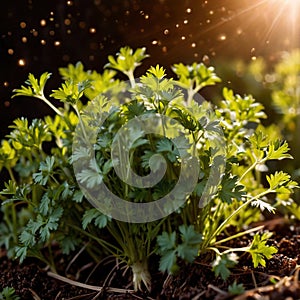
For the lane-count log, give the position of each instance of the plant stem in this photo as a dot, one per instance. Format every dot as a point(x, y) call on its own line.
point(226, 221)
point(11, 174)
point(238, 235)
point(43, 98)
point(251, 168)
point(130, 76)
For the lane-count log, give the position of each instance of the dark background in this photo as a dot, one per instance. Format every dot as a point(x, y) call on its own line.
point(39, 35)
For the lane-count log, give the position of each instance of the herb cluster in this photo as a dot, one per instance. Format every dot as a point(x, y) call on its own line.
point(43, 202)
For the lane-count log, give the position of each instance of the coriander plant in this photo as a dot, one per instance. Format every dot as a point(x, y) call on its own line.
point(139, 168)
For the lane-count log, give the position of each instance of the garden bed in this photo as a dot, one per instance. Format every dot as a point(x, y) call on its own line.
point(278, 280)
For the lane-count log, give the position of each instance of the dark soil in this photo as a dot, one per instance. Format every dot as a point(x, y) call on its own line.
point(278, 280)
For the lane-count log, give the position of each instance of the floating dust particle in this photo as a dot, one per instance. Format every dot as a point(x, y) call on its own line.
point(10, 51)
point(193, 45)
point(21, 62)
point(24, 39)
point(67, 22)
point(206, 59)
point(183, 38)
point(5, 83)
point(92, 30)
point(34, 32)
point(57, 43)
point(23, 25)
point(222, 37)
point(43, 42)
point(188, 10)
point(166, 31)
point(43, 22)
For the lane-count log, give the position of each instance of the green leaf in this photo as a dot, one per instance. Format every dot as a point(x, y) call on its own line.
point(71, 91)
point(92, 176)
point(166, 145)
point(195, 76)
point(8, 293)
point(100, 220)
point(21, 253)
point(166, 241)
point(34, 225)
point(126, 60)
point(230, 190)
point(222, 264)
point(77, 196)
point(189, 236)
point(35, 87)
point(278, 179)
point(167, 261)
point(260, 251)
point(157, 71)
point(236, 289)
point(46, 170)
point(27, 238)
point(68, 244)
point(50, 224)
point(187, 252)
point(278, 151)
point(44, 205)
point(74, 73)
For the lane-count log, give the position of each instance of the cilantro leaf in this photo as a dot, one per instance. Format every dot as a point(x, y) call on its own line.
point(100, 220)
point(260, 251)
point(230, 190)
point(222, 263)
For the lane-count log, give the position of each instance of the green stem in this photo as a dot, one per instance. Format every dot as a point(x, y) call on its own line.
point(251, 168)
point(43, 98)
point(14, 223)
point(108, 246)
point(239, 234)
point(226, 221)
point(80, 122)
point(130, 76)
point(11, 174)
point(51, 259)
